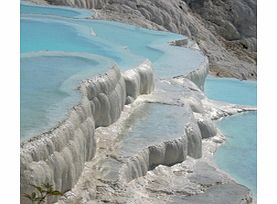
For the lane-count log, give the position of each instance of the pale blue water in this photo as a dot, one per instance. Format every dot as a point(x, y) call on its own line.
point(238, 155)
point(55, 76)
point(127, 45)
point(45, 30)
point(231, 90)
point(41, 36)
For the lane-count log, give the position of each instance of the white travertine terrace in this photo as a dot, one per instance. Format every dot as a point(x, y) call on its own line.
point(130, 151)
point(139, 81)
point(198, 76)
point(168, 152)
point(59, 155)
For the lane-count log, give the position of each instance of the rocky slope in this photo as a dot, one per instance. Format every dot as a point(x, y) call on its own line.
point(224, 30)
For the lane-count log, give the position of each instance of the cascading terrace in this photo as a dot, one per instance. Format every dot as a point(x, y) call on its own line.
point(128, 125)
point(58, 156)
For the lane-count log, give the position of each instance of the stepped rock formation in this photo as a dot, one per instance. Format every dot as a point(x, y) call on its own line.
point(65, 156)
point(160, 170)
point(58, 156)
point(224, 30)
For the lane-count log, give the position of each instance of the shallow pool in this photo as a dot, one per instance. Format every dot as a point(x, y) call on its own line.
point(151, 124)
point(238, 155)
point(56, 77)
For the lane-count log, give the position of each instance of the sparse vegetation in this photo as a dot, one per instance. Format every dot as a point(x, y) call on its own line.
point(41, 193)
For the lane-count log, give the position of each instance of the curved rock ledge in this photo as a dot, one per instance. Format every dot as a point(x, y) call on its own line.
point(167, 153)
point(59, 155)
point(170, 151)
point(197, 126)
point(139, 81)
point(199, 75)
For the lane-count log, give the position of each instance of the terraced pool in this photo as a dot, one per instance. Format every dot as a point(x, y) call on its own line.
point(49, 31)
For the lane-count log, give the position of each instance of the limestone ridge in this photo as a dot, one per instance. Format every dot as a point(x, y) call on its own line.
point(59, 155)
point(224, 30)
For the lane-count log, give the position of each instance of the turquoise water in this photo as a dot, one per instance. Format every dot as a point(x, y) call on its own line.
point(238, 155)
point(46, 94)
point(41, 36)
point(55, 76)
point(127, 45)
point(231, 90)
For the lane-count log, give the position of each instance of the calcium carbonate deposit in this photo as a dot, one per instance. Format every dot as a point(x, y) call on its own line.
point(116, 113)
